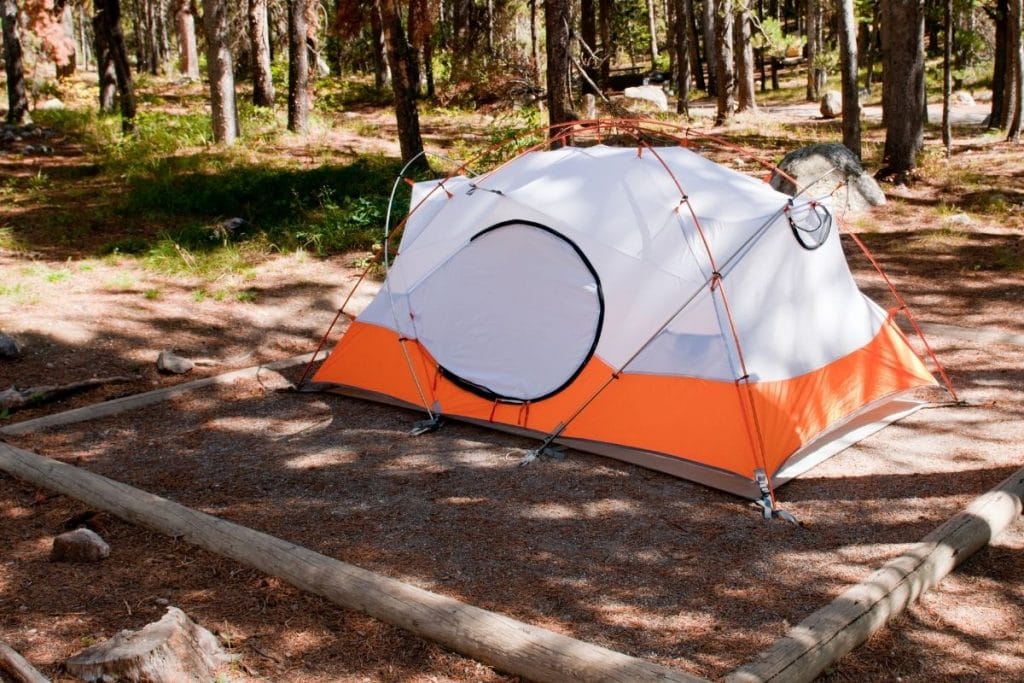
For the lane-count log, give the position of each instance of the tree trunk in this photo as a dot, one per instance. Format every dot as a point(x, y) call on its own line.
point(588, 34)
point(381, 74)
point(1009, 76)
point(709, 28)
point(221, 72)
point(681, 31)
point(17, 98)
point(947, 76)
point(604, 17)
point(696, 65)
point(105, 69)
point(67, 20)
point(725, 73)
point(556, 25)
point(744, 57)
point(999, 66)
point(652, 25)
point(259, 41)
point(406, 114)
point(815, 74)
point(902, 86)
point(187, 40)
point(108, 22)
point(1015, 65)
point(848, 69)
point(298, 68)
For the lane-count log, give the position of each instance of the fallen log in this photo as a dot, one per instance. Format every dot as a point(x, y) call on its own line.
point(14, 398)
point(17, 667)
point(126, 403)
point(508, 645)
point(836, 629)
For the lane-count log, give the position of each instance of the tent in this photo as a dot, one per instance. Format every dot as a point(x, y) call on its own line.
point(641, 302)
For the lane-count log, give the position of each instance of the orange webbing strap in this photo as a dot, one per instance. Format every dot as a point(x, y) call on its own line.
point(905, 308)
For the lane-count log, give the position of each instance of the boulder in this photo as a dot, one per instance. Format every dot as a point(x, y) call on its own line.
point(172, 363)
point(829, 169)
point(961, 98)
point(648, 93)
point(9, 347)
point(172, 649)
point(80, 545)
point(52, 104)
point(832, 104)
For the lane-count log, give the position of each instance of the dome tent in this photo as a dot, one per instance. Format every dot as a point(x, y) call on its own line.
point(643, 303)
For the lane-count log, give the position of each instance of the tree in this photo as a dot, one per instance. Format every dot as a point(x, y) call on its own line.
point(556, 26)
point(107, 23)
point(105, 68)
point(652, 27)
point(605, 9)
point(221, 72)
point(298, 68)
point(1015, 70)
point(902, 87)
point(848, 73)
point(406, 113)
point(259, 42)
point(815, 48)
point(188, 51)
point(710, 31)
point(744, 57)
point(17, 99)
point(681, 31)
point(725, 75)
point(1000, 16)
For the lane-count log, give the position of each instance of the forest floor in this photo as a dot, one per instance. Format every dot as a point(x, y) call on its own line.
point(610, 553)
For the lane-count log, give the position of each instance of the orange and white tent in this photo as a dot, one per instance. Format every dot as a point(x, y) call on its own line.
point(642, 303)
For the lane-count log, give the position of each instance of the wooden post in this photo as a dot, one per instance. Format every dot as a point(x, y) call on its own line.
point(836, 629)
point(508, 645)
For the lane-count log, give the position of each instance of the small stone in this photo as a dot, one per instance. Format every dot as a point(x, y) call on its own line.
point(832, 104)
point(52, 104)
point(169, 362)
point(9, 347)
point(962, 98)
point(960, 219)
point(80, 545)
point(163, 602)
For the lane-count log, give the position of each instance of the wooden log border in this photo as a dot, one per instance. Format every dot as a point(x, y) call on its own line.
point(126, 403)
point(839, 627)
point(500, 641)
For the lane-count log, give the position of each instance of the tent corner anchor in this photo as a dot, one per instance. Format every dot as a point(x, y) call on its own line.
point(769, 508)
point(433, 423)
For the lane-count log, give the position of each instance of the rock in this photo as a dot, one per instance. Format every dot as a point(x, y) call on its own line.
point(832, 104)
point(169, 362)
point(52, 104)
point(960, 219)
point(9, 347)
point(829, 169)
point(172, 649)
point(648, 93)
point(589, 107)
point(961, 98)
point(80, 545)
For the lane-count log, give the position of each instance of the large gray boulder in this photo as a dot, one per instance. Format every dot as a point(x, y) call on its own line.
point(831, 104)
point(828, 170)
point(648, 93)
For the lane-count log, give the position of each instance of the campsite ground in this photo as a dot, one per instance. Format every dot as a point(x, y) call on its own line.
point(606, 552)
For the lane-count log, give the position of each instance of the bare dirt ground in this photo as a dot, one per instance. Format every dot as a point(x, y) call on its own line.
point(603, 551)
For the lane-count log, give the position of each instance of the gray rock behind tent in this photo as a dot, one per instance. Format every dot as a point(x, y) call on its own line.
point(829, 169)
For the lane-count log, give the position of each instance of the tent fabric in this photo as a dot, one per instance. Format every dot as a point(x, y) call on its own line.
point(646, 303)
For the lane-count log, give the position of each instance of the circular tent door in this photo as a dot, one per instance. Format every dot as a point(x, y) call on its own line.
point(514, 315)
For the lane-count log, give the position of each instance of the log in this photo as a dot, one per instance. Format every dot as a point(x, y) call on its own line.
point(14, 398)
point(500, 641)
point(15, 666)
point(836, 629)
point(126, 403)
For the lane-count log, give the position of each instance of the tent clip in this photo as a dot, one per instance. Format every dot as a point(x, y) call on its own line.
point(544, 451)
point(431, 424)
point(767, 507)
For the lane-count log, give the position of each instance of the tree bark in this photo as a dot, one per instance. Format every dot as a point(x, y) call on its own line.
point(709, 27)
point(999, 66)
point(406, 113)
point(1015, 66)
point(848, 69)
point(681, 31)
point(17, 97)
point(724, 64)
point(902, 86)
point(189, 56)
point(604, 18)
point(696, 65)
point(744, 57)
point(381, 73)
point(221, 72)
point(588, 33)
point(259, 41)
point(298, 68)
point(947, 76)
point(652, 26)
point(556, 25)
point(108, 21)
point(815, 73)
point(105, 69)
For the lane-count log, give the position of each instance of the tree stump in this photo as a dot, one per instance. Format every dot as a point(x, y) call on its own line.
point(166, 651)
